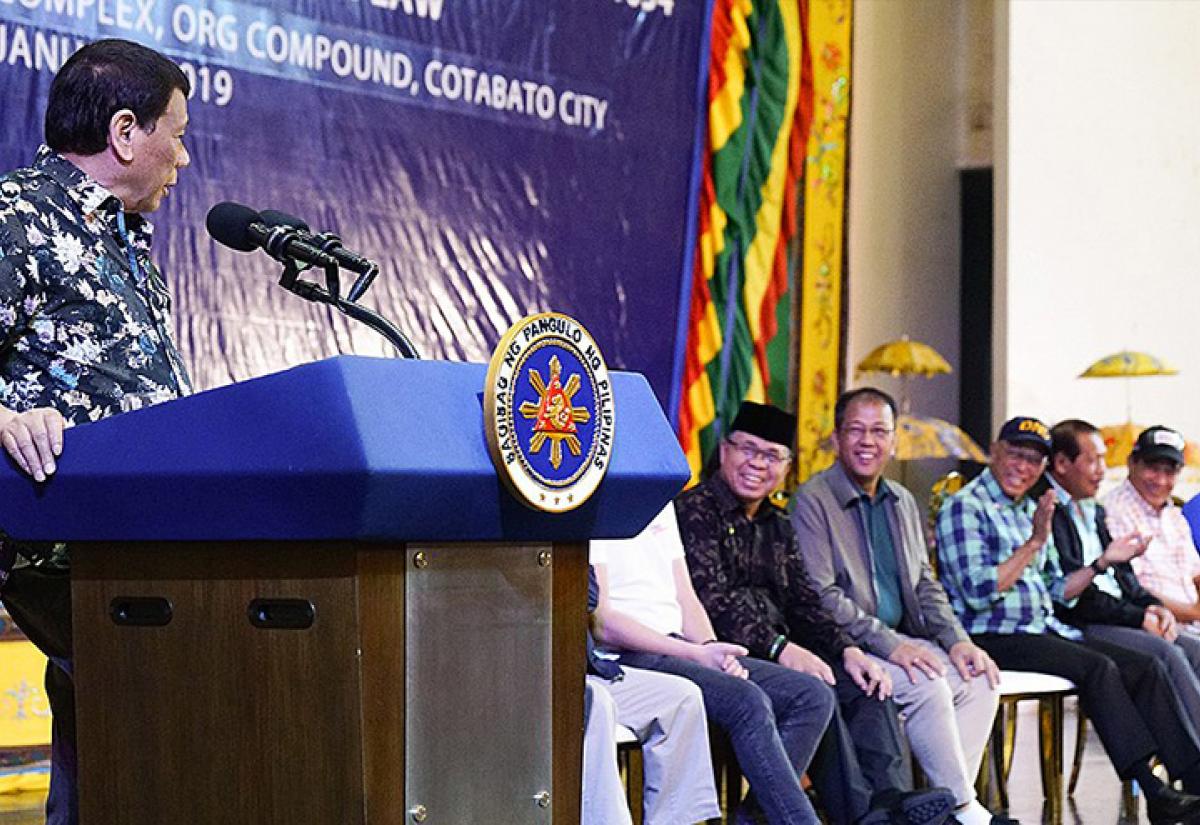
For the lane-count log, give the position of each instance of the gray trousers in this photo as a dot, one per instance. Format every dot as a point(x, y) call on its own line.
point(948, 721)
point(1180, 658)
point(666, 713)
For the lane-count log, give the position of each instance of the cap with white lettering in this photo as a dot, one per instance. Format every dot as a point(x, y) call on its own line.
point(1158, 442)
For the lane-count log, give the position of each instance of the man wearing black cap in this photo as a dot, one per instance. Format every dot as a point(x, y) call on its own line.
point(1142, 506)
point(749, 575)
point(1001, 570)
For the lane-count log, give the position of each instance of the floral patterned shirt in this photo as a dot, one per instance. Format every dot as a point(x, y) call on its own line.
point(85, 317)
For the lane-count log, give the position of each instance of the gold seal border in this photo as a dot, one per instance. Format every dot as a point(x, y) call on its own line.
point(489, 412)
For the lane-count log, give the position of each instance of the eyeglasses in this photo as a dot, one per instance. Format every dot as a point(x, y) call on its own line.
point(1031, 457)
point(749, 452)
point(857, 432)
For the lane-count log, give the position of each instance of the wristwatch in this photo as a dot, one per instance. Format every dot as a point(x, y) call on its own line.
point(1096, 568)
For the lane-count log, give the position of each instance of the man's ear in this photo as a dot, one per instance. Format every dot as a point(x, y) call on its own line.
point(1059, 464)
point(120, 134)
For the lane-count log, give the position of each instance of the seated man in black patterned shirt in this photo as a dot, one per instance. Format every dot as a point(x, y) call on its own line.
point(85, 318)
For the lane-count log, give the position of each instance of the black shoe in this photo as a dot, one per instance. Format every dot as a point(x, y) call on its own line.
point(878, 815)
point(1001, 819)
point(1169, 806)
point(929, 806)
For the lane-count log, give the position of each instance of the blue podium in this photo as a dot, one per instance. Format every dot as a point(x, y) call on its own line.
point(308, 598)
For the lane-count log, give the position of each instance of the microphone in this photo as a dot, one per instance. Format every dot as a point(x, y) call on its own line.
point(327, 242)
point(240, 227)
point(331, 244)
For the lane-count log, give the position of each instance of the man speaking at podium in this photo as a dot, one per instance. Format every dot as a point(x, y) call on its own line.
point(85, 317)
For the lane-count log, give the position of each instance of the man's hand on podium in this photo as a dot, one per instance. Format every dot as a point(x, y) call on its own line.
point(33, 438)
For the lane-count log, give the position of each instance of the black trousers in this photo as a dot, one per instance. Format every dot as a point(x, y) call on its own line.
point(1126, 695)
point(40, 605)
point(1148, 682)
point(861, 753)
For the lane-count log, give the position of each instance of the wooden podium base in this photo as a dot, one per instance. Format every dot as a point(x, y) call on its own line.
point(329, 683)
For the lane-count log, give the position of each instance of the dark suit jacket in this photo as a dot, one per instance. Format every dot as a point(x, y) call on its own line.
point(1094, 605)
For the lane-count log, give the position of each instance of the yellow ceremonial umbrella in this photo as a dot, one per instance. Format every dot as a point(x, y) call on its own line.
point(904, 357)
point(918, 438)
point(1128, 364)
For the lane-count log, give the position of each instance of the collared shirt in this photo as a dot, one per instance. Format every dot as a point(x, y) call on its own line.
point(837, 556)
point(85, 318)
point(873, 512)
point(979, 528)
point(749, 574)
point(1083, 516)
point(1170, 563)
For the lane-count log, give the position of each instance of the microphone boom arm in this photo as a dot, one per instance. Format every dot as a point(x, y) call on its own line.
point(309, 291)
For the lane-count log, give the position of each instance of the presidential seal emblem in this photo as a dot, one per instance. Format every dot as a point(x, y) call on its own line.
point(548, 409)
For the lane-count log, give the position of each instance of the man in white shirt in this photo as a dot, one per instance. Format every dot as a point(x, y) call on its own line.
point(666, 714)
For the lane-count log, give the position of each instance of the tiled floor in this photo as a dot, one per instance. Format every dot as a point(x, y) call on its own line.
point(1097, 800)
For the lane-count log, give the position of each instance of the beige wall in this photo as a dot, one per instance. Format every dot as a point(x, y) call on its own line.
point(910, 127)
point(1101, 246)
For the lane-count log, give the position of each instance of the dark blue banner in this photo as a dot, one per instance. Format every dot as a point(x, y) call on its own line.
point(497, 157)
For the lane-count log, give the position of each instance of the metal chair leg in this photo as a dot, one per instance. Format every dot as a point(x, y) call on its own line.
point(733, 783)
point(1009, 739)
point(1080, 742)
point(629, 759)
point(1001, 747)
point(727, 774)
point(1129, 801)
point(1050, 730)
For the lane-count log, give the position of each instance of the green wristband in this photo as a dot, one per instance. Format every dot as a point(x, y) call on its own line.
point(777, 647)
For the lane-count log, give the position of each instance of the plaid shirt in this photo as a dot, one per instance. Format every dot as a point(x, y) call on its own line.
point(979, 528)
point(1170, 563)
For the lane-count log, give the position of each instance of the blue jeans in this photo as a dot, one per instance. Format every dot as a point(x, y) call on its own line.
point(774, 721)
